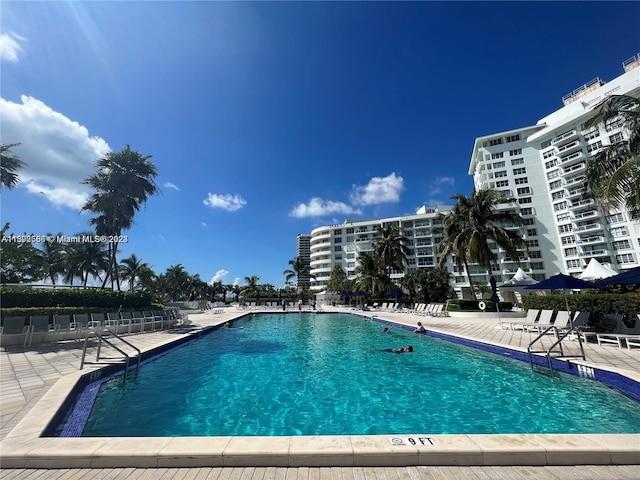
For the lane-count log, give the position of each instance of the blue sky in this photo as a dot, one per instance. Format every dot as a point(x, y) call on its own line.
point(267, 119)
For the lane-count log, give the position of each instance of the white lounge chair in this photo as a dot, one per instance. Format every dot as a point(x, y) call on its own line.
point(561, 321)
point(14, 326)
point(530, 319)
point(42, 328)
point(544, 321)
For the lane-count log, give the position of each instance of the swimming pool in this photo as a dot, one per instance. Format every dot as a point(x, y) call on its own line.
point(308, 374)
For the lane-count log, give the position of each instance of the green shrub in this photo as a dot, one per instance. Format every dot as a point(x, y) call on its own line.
point(85, 298)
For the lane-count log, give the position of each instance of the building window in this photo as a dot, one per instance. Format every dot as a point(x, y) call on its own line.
point(555, 185)
point(565, 228)
point(557, 195)
point(500, 174)
point(535, 254)
point(616, 137)
point(573, 264)
point(519, 171)
point(545, 144)
point(517, 151)
point(622, 245)
point(495, 141)
point(548, 154)
point(498, 165)
point(594, 146)
point(536, 266)
point(517, 161)
point(350, 230)
point(513, 138)
point(526, 211)
point(502, 183)
point(568, 240)
point(497, 155)
point(531, 243)
point(337, 240)
point(559, 206)
point(619, 232)
point(591, 135)
point(522, 180)
point(613, 124)
point(529, 221)
point(337, 248)
point(523, 190)
point(570, 252)
point(615, 218)
point(532, 232)
point(625, 258)
point(564, 217)
point(524, 200)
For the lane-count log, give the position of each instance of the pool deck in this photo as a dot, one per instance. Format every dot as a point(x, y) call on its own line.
point(35, 380)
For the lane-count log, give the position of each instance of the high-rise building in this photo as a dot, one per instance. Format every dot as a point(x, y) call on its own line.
point(541, 168)
point(341, 244)
point(303, 251)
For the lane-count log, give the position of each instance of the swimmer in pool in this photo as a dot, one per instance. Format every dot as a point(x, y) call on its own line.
point(406, 349)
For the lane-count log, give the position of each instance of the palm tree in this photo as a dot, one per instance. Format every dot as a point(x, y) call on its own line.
point(473, 223)
point(613, 174)
point(390, 247)
point(299, 270)
point(176, 282)
point(53, 256)
point(9, 164)
point(130, 269)
point(147, 278)
point(252, 286)
point(371, 277)
point(122, 184)
point(85, 259)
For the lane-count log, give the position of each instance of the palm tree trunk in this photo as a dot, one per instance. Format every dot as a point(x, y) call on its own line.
point(473, 291)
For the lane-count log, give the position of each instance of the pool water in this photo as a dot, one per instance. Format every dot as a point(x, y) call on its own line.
point(327, 374)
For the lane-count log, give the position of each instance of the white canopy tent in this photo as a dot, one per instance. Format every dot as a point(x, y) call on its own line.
point(513, 290)
point(596, 271)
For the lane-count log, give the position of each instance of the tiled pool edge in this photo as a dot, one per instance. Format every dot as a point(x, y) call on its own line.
point(24, 447)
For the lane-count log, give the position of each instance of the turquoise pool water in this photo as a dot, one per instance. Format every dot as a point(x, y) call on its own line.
point(326, 374)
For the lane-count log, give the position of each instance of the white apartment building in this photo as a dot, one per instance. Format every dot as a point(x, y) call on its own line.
point(542, 168)
point(341, 244)
point(303, 251)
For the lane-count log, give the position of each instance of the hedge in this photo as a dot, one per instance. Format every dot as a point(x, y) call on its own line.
point(95, 298)
point(625, 304)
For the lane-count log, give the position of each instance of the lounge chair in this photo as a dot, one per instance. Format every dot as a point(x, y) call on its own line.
point(14, 326)
point(40, 325)
point(64, 327)
point(544, 321)
point(561, 321)
point(614, 336)
point(530, 319)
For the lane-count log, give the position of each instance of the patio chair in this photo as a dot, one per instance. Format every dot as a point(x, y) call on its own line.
point(14, 326)
point(137, 322)
point(64, 327)
point(530, 319)
point(544, 321)
point(561, 321)
point(112, 321)
point(40, 325)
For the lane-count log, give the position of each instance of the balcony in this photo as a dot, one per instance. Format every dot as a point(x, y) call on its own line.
point(575, 168)
point(580, 216)
point(574, 180)
point(573, 193)
point(564, 137)
point(581, 203)
point(594, 239)
point(571, 157)
point(596, 252)
point(589, 227)
point(569, 147)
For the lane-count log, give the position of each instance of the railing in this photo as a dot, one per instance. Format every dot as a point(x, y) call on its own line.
point(101, 333)
point(594, 253)
point(579, 216)
point(573, 156)
point(569, 146)
point(564, 136)
point(571, 181)
point(582, 241)
point(591, 226)
point(560, 336)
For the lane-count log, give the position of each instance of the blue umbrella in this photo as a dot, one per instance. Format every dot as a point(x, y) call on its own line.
point(630, 277)
point(395, 293)
point(564, 283)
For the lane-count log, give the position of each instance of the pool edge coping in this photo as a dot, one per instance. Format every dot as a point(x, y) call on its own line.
point(24, 447)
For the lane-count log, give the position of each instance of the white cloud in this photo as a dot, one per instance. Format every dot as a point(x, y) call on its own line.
point(170, 185)
point(9, 46)
point(378, 190)
point(318, 207)
point(58, 152)
point(219, 276)
point(230, 203)
point(203, 224)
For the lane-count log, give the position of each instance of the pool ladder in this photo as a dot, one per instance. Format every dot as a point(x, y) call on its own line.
point(101, 334)
point(548, 353)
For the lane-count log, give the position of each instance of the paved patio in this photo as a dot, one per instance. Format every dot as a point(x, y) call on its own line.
point(27, 374)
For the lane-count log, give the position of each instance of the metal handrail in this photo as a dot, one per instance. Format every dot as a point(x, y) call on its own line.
point(560, 336)
point(101, 338)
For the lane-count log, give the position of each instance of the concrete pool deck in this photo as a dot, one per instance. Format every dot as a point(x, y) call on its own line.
point(36, 380)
